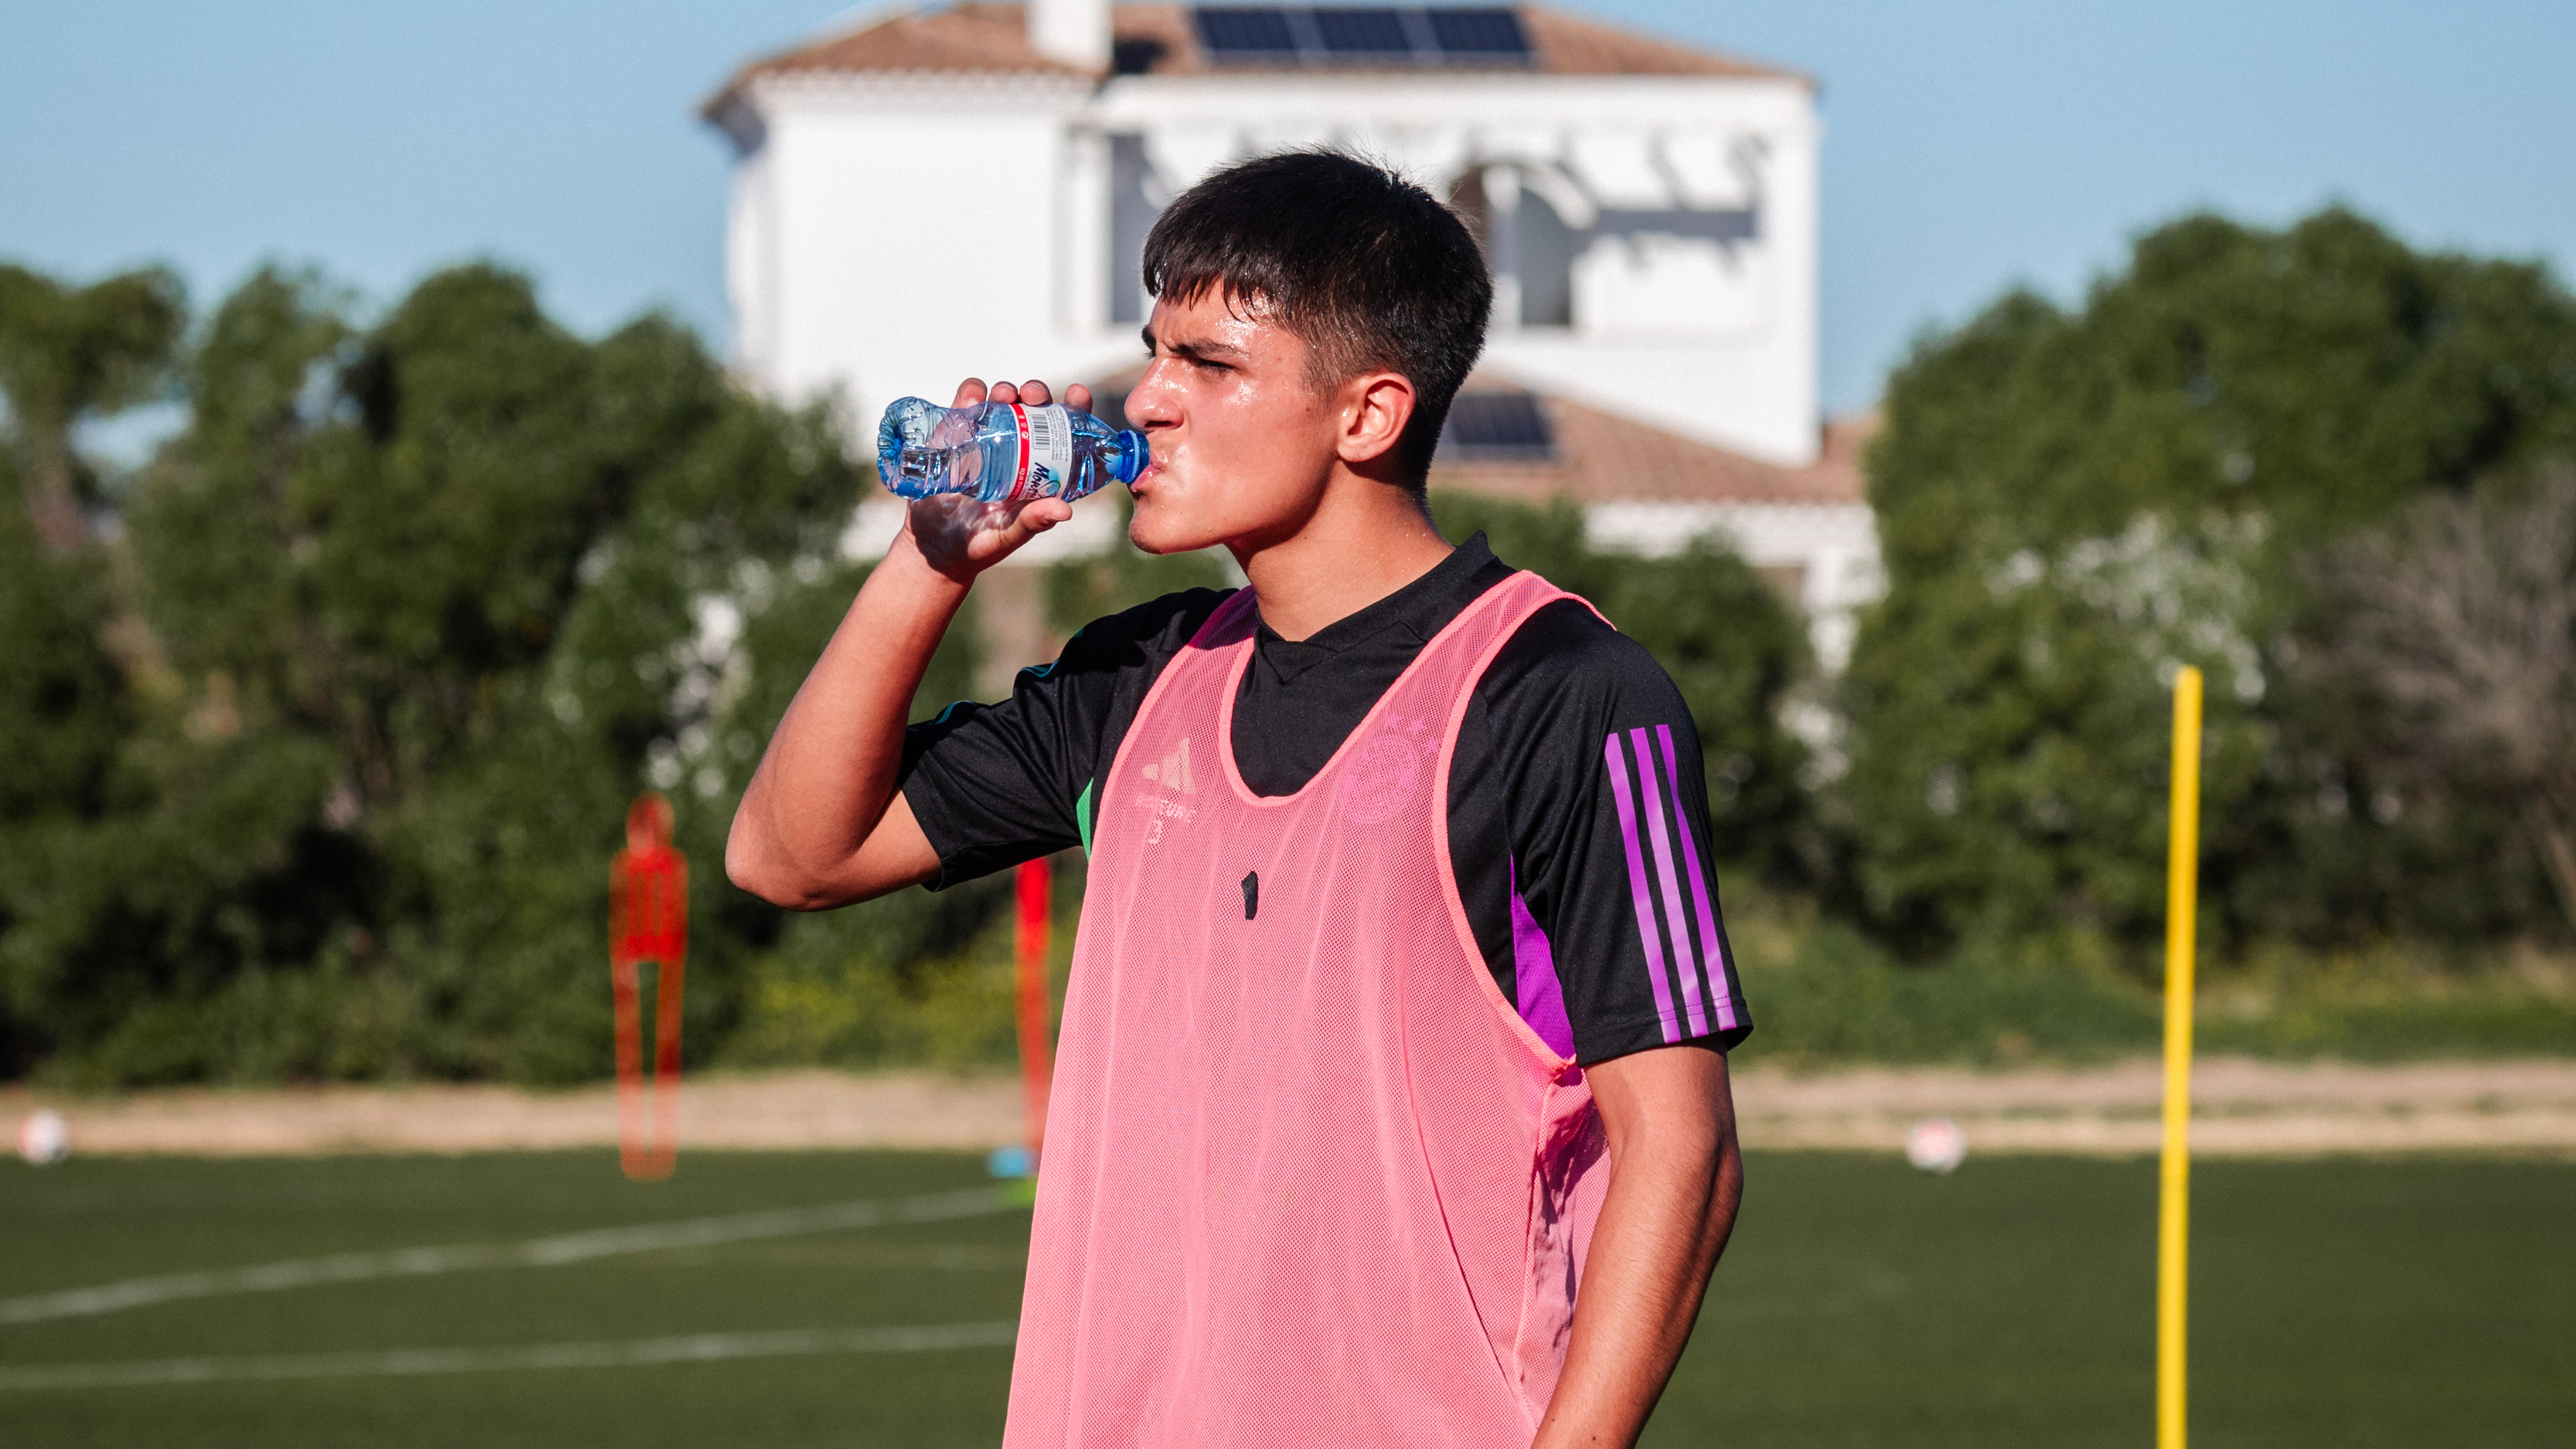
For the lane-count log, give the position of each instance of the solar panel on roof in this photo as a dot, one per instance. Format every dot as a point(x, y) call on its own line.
point(1234, 33)
point(1496, 427)
point(1324, 35)
point(1349, 34)
point(1479, 33)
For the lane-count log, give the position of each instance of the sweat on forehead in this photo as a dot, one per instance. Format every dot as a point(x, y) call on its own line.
point(1209, 334)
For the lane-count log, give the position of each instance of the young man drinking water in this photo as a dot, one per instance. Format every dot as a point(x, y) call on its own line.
point(1390, 1105)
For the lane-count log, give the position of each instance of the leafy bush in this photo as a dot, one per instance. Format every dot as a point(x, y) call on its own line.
point(428, 602)
point(2071, 503)
point(1734, 647)
point(912, 979)
point(1823, 992)
point(1826, 994)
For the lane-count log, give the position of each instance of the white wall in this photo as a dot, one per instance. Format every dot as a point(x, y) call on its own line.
point(917, 232)
point(751, 266)
point(894, 234)
point(1716, 341)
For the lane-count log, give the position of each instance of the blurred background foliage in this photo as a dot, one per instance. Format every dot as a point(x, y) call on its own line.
point(2073, 502)
point(1735, 647)
point(320, 723)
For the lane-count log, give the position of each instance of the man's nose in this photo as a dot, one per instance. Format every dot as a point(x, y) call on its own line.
point(1150, 406)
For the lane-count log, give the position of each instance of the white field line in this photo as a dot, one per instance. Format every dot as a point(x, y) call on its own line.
point(533, 1253)
point(693, 1348)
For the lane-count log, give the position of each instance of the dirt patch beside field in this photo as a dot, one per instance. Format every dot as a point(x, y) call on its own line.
point(2242, 1108)
point(785, 1110)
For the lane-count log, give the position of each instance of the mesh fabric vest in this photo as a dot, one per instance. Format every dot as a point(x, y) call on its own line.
point(1309, 1178)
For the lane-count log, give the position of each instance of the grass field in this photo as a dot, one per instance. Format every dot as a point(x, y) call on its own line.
point(2338, 1303)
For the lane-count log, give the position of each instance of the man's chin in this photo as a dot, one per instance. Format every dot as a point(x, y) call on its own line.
point(1155, 535)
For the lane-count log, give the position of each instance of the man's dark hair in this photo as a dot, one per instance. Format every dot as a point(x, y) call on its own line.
point(1369, 270)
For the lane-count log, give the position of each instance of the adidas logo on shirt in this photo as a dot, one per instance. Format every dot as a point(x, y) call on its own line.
point(1173, 771)
point(1173, 774)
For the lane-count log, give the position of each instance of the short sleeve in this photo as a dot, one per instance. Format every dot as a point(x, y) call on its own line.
point(1580, 833)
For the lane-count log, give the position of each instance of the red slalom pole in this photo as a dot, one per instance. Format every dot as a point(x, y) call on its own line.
point(648, 920)
point(1037, 890)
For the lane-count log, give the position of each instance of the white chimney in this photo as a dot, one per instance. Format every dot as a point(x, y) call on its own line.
point(1075, 32)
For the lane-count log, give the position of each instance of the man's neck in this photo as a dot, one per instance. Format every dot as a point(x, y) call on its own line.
point(1364, 541)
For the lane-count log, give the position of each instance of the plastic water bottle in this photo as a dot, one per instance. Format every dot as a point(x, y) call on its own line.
point(1003, 452)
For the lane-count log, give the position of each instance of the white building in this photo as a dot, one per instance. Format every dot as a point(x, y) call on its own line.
point(961, 191)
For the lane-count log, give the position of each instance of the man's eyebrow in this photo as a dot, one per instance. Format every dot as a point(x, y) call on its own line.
point(1200, 350)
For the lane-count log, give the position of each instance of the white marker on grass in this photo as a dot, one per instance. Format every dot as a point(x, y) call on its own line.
point(1936, 1144)
point(44, 1138)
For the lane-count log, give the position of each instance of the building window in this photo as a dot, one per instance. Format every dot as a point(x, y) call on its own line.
point(1544, 253)
point(1496, 427)
point(1135, 199)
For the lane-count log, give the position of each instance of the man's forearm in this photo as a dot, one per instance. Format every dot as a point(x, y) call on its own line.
point(823, 786)
point(1675, 1179)
point(814, 828)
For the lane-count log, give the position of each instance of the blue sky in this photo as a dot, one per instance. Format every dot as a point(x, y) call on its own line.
point(1969, 146)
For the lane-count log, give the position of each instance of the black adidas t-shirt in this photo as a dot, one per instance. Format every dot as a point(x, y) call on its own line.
point(1578, 820)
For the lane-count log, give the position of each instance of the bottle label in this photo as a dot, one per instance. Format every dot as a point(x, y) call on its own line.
point(1046, 451)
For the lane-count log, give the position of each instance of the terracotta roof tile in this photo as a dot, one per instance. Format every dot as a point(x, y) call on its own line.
point(991, 37)
point(1572, 45)
point(1155, 40)
point(1602, 458)
point(969, 37)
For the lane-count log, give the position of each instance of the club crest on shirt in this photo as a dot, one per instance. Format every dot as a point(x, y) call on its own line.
point(1172, 779)
point(1385, 773)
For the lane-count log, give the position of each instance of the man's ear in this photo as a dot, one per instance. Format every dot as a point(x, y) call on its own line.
point(1375, 406)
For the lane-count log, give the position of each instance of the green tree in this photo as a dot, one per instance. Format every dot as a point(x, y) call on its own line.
point(2073, 502)
point(71, 354)
point(1736, 650)
point(437, 597)
point(68, 355)
point(64, 713)
point(2459, 618)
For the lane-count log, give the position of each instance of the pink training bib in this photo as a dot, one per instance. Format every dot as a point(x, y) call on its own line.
point(1309, 1179)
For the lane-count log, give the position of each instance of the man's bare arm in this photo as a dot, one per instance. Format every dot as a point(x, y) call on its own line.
point(822, 823)
point(1675, 1179)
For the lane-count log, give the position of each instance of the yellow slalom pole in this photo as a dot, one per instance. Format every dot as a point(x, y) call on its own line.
point(2182, 900)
